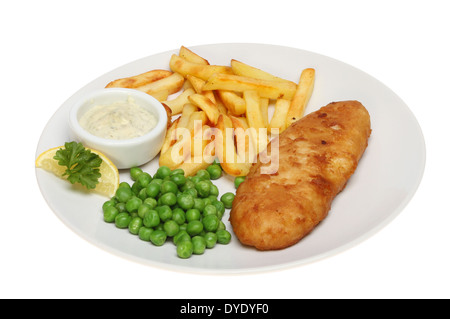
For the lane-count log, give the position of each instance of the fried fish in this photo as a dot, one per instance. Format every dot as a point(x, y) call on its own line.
point(317, 156)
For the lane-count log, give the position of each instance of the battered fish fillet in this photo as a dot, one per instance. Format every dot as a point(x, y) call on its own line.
point(317, 155)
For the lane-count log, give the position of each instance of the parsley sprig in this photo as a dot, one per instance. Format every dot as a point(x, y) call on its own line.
point(83, 166)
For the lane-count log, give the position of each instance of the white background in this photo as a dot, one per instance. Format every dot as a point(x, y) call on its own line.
point(50, 49)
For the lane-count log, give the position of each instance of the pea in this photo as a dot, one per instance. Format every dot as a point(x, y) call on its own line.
point(178, 179)
point(136, 188)
point(150, 201)
point(203, 174)
point(110, 213)
point(142, 194)
point(221, 226)
point(194, 227)
point(158, 237)
point(122, 220)
point(144, 179)
point(227, 199)
point(181, 236)
point(207, 201)
point(153, 189)
point(124, 184)
point(123, 194)
point(144, 233)
point(143, 209)
point(210, 223)
point(203, 188)
point(210, 239)
point(122, 207)
point(188, 185)
point(151, 218)
point(169, 199)
point(162, 172)
point(133, 204)
point(134, 225)
point(169, 187)
point(210, 210)
point(220, 207)
point(185, 249)
point(109, 203)
point(223, 236)
point(165, 212)
point(135, 172)
point(178, 171)
point(178, 216)
point(214, 191)
point(215, 171)
point(158, 181)
point(199, 204)
point(186, 201)
point(199, 245)
point(238, 180)
point(193, 214)
point(195, 179)
point(183, 226)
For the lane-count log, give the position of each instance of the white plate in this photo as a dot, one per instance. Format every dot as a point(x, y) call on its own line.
point(385, 180)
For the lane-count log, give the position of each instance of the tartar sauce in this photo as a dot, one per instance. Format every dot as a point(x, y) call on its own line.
point(118, 121)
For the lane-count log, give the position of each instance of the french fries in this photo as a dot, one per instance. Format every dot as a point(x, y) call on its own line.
point(265, 88)
point(223, 111)
point(302, 95)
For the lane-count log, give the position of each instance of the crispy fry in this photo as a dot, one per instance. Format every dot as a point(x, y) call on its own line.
point(190, 56)
point(161, 95)
point(172, 84)
point(196, 83)
point(202, 71)
point(233, 102)
point(139, 80)
point(279, 117)
point(265, 88)
point(176, 104)
point(170, 137)
point(264, 105)
point(242, 69)
point(302, 96)
point(206, 105)
point(225, 149)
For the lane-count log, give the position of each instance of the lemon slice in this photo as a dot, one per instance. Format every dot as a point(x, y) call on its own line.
point(108, 182)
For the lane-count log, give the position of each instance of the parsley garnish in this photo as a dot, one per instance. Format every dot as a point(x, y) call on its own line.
point(82, 165)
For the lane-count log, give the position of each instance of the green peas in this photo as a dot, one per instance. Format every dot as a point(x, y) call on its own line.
point(158, 237)
point(210, 210)
point(178, 179)
point(135, 172)
point(133, 204)
point(185, 249)
point(227, 199)
point(169, 187)
point(210, 223)
point(153, 189)
point(223, 236)
point(123, 194)
point(171, 205)
point(193, 214)
point(178, 216)
point(151, 218)
point(199, 245)
point(110, 213)
point(238, 180)
point(169, 199)
point(215, 171)
point(181, 236)
point(210, 239)
point(134, 225)
point(163, 172)
point(165, 212)
point(194, 227)
point(203, 174)
point(171, 228)
point(203, 188)
point(144, 233)
point(185, 201)
point(144, 179)
point(122, 220)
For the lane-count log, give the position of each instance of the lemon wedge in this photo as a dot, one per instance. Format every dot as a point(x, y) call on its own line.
point(108, 182)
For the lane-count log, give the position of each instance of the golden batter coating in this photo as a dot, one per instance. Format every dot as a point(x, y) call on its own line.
point(317, 155)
